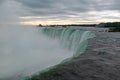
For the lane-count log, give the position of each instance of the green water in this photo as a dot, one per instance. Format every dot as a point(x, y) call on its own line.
point(72, 39)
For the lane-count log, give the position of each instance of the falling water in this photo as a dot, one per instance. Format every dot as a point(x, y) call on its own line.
point(26, 50)
point(72, 39)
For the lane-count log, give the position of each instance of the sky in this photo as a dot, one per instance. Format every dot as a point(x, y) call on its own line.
point(46, 12)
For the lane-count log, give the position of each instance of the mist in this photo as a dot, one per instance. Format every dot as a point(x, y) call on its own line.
point(25, 50)
point(10, 11)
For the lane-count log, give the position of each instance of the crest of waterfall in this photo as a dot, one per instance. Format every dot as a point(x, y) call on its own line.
point(72, 39)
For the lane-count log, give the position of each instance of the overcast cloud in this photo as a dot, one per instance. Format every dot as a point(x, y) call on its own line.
point(69, 11)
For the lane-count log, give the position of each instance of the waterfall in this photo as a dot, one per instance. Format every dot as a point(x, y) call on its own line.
point(26, 50)
point(71, 39)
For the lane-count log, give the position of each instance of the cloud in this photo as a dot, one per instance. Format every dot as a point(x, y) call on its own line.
point(71, 5)
point(46, 10)
point(1, 1)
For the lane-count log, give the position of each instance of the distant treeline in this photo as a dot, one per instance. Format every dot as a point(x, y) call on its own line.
point(67, 25)
point(85, 25)
point(112, 24)
point(109, 24)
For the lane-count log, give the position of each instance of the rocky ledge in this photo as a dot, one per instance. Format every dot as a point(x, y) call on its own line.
point(101, 61)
